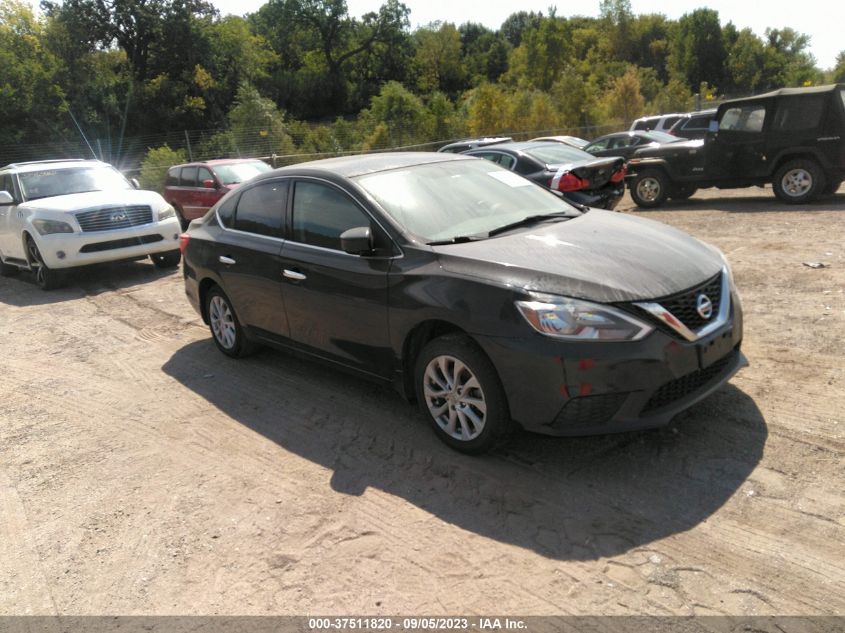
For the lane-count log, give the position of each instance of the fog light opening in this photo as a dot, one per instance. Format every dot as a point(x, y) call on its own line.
point(60, 254)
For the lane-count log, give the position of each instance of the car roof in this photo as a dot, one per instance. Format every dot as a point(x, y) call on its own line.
point(361, 164)
point(789, 92)
point(520, 146)
point(39, 165)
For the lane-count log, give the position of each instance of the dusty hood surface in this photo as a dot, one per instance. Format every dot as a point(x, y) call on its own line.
point(96, 200)
point(601, 256)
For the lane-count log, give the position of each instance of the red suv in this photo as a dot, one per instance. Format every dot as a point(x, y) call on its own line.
point(193, 188)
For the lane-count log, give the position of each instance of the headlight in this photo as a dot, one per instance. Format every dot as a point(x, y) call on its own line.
point(577, 320)
point(47, 227)
point(166, 212)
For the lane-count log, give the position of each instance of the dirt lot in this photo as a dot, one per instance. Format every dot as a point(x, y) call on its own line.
point(141, 472)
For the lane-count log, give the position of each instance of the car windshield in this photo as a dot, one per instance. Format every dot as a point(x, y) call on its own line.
point(236, 173)
point(443, 201)
point(557, 153)
point(67, 180)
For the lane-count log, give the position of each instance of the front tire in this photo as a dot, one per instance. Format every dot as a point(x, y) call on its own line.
point(799, 181)
point(225, 328)
point(650, 188)
point(46, 277)
point(170, 259)
point(460, 394)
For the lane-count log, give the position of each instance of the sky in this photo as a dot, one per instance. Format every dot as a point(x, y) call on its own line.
point(822, 20)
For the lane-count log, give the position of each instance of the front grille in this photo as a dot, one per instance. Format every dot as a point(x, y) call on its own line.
point(114, 218)
point(588, 411)
point(685, 385)
point(683, 305)
point(124, 243)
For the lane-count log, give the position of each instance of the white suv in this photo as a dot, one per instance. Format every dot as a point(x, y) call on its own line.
point(56, 215)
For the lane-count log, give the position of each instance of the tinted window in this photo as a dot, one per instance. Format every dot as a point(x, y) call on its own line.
point(226, 211)
point(598, 145)
point(189, 177)
point(642, 125)
point(748, 118)
point(321, 213)
point(172, 177)
point(670, 121)
point(204, 175)
point(261, 209)
point(801, 113)
point(842, 96)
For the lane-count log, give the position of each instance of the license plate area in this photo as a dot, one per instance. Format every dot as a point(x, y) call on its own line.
point(715, 348)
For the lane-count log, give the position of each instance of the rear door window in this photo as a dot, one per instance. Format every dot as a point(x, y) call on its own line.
point(189, 177)
point(172, 177)
point(261, 209)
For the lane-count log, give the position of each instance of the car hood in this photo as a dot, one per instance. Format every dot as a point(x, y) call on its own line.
point(675, 148)
point(74, 202)
point(600, 256)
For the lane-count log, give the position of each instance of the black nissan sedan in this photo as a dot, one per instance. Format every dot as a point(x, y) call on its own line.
point(489, 300)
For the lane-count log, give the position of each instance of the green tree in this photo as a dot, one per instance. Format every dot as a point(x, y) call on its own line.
point(839, 70)
point(438, 58)
point(698, 53)
point(155, 164)
point(30, 98)
point(624, 100)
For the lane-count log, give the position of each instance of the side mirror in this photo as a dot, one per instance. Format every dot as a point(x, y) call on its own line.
point(135, 183)
point(208, 183)
point(6, 198)
point(357, 241)
point(713, 126)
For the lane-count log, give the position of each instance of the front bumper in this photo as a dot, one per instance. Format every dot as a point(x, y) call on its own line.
point(560, 388)
point(67, 250)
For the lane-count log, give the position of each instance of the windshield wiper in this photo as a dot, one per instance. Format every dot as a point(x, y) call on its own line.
point(531, 219)
point(459, 239)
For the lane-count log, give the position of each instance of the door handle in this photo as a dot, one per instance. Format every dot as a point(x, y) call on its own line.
point(226, 260)
point(292, 274)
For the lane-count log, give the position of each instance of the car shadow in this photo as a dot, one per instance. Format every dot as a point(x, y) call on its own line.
point(21, 289)
point(765, 202)
point(565, 498)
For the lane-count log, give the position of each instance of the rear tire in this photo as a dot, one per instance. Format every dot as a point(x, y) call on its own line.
point(170, 259)
point(650, 188)
point(799, 181)
point(460, 394)
point(46, 277)
point(225, 328)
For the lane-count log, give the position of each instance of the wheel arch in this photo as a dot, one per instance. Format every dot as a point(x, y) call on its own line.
point(416, 339)
point(796, 154)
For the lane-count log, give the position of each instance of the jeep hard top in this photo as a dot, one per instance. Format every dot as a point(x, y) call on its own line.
point(793, 138)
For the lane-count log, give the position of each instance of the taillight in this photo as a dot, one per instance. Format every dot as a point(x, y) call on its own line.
point(570, 182)
point(183, 242)
point(619, 174)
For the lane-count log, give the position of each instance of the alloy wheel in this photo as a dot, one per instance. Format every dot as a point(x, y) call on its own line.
point(648, 189)
point(454, 398)
point(797, 182)
point(222, 322)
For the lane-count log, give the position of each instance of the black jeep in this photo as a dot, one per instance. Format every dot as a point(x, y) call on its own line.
point(793, 138)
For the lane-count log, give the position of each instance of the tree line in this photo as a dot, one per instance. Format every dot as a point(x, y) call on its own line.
point(306, 77)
